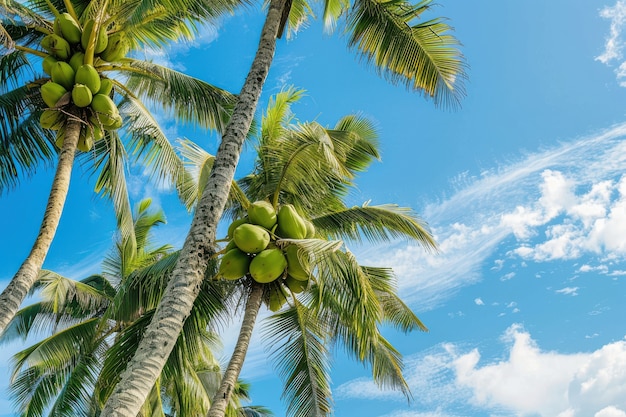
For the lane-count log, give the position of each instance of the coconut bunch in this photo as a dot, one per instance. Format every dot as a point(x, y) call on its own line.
point(75, 80)
point(252, 250)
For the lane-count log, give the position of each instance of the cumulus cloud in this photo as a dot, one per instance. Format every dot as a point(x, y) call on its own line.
point(479, 302)
point(528, 381)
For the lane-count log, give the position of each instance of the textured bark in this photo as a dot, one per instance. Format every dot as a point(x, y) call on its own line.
point(25, 277)
point(183, 287)
point(222, 397)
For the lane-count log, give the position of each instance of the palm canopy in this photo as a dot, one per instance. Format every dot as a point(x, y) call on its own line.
point(91, 327)
point(144, 23)
point(394, 37)
point(340, 302)
point(69, 83)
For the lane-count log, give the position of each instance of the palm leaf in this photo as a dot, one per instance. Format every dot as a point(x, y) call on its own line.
point(380, 223)
point(14, 68)
point(191, 99)
point(423, 56)
point(198, 164)
point(302, 360)
point(107, 158)
point(395, 311)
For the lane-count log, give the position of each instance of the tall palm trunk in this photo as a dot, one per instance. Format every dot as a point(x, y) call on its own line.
point(222, 397)
point(183, 287)
point(16, 291)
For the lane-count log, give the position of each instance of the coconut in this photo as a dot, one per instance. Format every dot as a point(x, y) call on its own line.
point(268, 265)
point(251, 238)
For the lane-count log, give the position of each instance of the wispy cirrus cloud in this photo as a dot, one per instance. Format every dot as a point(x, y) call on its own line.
point(560, 203)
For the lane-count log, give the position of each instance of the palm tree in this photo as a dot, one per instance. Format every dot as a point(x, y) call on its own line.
point(32, 120)
point(95, 323)
point(423, 56)
point(313, 168)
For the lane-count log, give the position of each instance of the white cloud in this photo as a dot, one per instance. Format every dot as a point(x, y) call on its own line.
point(561, 203)
point(573, 291)
point(528, 381)
point(610, 411)
point(479, 302)
point(614, 43)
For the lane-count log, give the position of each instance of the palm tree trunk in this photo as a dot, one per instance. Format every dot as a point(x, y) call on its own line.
point(13, 295)
point(183, 287)
point(222, 397)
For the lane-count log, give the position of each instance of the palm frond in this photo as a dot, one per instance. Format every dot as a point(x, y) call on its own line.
point(380, 223)
point(58, 292)
point(278, 114)
point(198, 164)
point(55, 352)
point(395, 311)
point(192, 100)
point(23, 143)
point(149, 144)
point(301, 357)
point(14, 68)
point(423, 56)
point(108, 158)
point(154, 22)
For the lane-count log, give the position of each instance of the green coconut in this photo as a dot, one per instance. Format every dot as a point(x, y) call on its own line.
point(251, 238)
point(268, 265)
point(234, 264)
point(290, 224)
point(262, 213)
point(295, 285)
point(294, 266)
point(310, 229)
point(235, 224)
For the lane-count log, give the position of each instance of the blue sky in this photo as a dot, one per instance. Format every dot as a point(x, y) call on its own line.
point(523, 187)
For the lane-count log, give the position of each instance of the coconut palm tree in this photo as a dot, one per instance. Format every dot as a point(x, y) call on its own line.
point(46, 105)
point(92, 325)
point(344, 303)
point(423, 56)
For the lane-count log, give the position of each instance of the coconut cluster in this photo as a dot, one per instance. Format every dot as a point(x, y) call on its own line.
point(75, 80)
point(252, 250)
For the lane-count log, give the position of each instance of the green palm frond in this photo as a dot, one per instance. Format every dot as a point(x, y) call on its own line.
point(301, 357)
point(278, 114)
point(18, 15)
point(192, 100)
point(423, 56)
point(14, 68)
point(75, 396)
point(380, 223)
point(58, 292)
point(355, 139)
point(22, 150)
point(333, 9)
point(395, 311)
point(347, 302)
point(149, 144)
point(55, 352)
point(198, 164)
point(108, 158)
point(154, 22)
point(142, 289)
point(25, 321)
